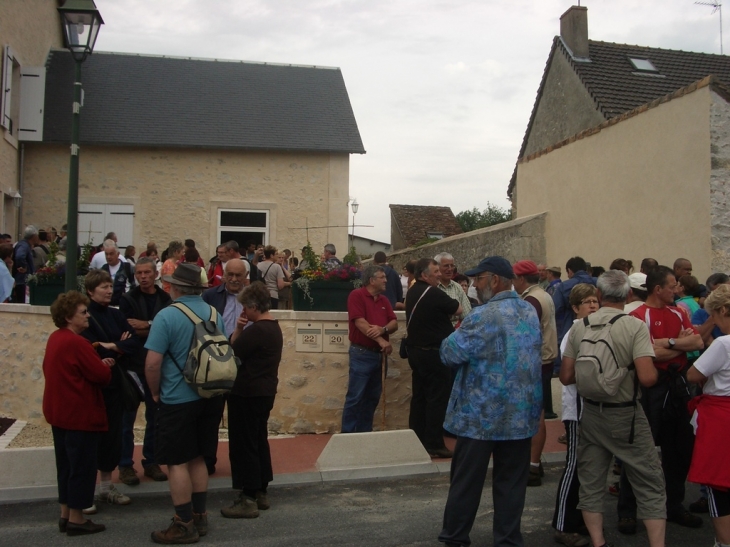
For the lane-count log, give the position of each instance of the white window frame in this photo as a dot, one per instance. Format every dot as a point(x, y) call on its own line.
point(221, 228)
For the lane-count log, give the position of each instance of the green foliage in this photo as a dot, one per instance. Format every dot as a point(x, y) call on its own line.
point(352, 258)
point(312, 258)
point(426, 241)
point(474, 219)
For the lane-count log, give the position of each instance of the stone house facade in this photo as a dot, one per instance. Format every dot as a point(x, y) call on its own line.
point(624, 152)
point(186, 148)
point(28, 29)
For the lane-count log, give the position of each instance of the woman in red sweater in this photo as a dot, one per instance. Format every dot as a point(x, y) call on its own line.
point(74, 406)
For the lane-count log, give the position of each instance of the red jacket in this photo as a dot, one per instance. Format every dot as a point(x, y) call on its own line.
point(712, 444)
point(74, 376)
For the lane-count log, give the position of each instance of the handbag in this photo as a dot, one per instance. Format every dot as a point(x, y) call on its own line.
point(403, 349)
point(131, 390)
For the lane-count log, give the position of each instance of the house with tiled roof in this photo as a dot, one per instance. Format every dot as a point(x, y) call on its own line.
point(413, 224)
point(625, 149)
point(206, 149)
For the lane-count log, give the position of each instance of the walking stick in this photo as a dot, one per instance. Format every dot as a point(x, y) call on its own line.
point(383, 364)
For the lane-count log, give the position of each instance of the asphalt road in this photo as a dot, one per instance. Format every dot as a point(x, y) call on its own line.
point(382, 513)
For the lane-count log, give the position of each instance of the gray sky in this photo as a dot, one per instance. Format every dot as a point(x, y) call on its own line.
point(442, 90)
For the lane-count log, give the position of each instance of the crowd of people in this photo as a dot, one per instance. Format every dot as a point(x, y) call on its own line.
point(483, 346)
point(483, 349)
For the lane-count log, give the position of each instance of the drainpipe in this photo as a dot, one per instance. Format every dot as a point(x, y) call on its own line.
point(21, 176)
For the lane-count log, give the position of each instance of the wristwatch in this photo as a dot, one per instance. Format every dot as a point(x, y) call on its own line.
point(385, 330)
point(149, 322)
point(671, 343)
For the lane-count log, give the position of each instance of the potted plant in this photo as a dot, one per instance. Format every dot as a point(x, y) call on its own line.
point(48, 282)
point(318, 288)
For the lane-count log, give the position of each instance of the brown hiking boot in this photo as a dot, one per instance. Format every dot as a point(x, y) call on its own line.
point(155, 473)
point(201, 523)
point(242, 508)
point(178, 532)
point(128, 476)
point(262, 501)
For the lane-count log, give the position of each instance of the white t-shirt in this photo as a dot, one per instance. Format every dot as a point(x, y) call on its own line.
point(715, 365)
point(628, 308)
point(569, 393)
point(99, 259)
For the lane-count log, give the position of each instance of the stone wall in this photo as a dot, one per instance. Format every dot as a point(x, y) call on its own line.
point(31, 28)
point(565, 107)
point(311, 390)
point(176, 193)
point(523, 238)
point(719, 183)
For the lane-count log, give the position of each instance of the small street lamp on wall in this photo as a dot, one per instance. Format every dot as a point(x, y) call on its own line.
point(355, 205)
point(80, 23)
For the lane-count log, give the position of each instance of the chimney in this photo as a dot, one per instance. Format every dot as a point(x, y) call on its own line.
point(574, 30)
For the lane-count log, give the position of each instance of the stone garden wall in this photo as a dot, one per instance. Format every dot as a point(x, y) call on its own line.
point(311, 391)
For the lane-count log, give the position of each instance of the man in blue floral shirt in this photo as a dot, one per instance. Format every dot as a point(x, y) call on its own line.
point(495, 404)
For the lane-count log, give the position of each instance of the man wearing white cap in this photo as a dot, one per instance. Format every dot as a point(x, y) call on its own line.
point(637, 294)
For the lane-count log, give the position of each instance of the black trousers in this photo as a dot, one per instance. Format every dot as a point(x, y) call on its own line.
point(217, 406)
point(248, 442)
point(672, 432)
point(509, 483)
point(567, 517)
point(547, 390)
point(110, 441)
point(431, 391)
point(75, 466)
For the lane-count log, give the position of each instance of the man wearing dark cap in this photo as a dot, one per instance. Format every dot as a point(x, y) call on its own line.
point(187, 425)
point(495, 404)
point(553, 277)
point(526, 281)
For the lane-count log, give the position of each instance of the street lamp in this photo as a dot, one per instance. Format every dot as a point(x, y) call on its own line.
point(80, 23)
point(354, 206)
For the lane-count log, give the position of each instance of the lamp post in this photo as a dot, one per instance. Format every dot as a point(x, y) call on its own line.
point(354, 206)
point(80, 22)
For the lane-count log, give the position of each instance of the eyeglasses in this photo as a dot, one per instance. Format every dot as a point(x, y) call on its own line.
point(589, 301)
point(477, 278)
point(448, 266)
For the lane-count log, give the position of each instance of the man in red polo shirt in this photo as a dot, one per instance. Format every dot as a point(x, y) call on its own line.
point(371, 320)
point(672, 335)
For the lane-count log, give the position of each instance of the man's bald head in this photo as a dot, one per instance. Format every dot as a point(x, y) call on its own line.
point(236, 272)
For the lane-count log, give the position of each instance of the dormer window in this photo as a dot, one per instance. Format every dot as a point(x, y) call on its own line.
point(435, 235)
point(643, 65)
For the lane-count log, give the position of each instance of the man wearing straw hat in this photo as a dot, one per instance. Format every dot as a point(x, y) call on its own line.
point(371, 321)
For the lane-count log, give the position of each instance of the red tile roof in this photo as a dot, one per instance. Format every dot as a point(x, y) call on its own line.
point(415, 222)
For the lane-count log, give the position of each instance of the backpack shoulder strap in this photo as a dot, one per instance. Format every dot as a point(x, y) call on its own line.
point(616, 318)
point(193, 316)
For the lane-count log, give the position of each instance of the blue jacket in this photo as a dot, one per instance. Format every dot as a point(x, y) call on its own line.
point(564, 315)
point(393, 288)
point(216, 297)
point(497, 393)
point(22, 258)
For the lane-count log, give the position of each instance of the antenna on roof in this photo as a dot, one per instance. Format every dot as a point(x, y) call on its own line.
point(717, 6)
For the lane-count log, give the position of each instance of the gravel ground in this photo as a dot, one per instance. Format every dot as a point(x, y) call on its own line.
point(40, 435)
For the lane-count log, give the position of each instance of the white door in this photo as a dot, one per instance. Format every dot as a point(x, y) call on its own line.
point(96, 220)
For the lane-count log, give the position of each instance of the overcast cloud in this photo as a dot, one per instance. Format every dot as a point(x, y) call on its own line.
point(442, 90)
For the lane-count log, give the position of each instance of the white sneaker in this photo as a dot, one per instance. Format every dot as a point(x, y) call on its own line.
point(89, 510)
point(114, 497)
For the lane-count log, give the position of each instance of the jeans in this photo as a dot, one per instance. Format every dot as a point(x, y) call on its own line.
point(363, 390)
point(128, 419)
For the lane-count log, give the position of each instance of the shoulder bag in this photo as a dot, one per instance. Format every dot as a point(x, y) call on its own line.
point(403, 349)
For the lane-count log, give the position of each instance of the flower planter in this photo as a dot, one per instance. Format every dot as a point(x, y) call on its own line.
point(326, 296)
point(45, 294)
